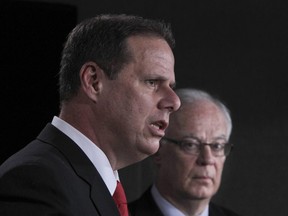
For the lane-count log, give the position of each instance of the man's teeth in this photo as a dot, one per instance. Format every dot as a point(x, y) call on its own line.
point(156, 126)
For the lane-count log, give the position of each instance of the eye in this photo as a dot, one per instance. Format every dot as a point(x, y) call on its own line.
point(152, 82)
point(190, 146)
point(217, 146)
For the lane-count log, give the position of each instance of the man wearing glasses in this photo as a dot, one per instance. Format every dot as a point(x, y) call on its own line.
point(190, 160)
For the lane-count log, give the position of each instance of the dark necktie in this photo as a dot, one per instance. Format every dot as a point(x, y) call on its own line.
point(120, 199)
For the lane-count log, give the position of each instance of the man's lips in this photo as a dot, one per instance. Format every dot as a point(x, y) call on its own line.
point(204, 174)
point(202, 177)
point(158, 127)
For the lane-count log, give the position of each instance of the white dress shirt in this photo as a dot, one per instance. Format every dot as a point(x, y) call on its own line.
point(167, 208)
point(93, 152)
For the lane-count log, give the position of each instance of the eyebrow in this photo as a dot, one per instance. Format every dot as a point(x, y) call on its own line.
point(162, 78)
point(222, 137)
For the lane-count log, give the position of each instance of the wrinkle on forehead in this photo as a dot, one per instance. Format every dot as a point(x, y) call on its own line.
point(149, 46)
point(152, 56)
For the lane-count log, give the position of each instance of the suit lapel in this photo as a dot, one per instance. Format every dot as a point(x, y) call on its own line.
point(83, 167)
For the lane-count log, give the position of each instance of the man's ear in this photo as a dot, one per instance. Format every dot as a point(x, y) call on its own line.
point(91, 76)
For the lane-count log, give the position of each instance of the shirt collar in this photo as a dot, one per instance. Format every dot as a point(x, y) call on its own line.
point(92, 151)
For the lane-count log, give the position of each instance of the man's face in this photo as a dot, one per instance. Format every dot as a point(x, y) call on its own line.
point(186, 176)
point(140, 100)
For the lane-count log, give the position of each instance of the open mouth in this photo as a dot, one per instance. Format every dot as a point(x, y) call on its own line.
point(160, 125)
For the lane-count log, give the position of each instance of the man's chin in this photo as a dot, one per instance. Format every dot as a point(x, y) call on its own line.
point(150, 147)
point(202, 195)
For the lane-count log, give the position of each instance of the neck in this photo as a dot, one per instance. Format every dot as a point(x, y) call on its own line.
point(188, 205)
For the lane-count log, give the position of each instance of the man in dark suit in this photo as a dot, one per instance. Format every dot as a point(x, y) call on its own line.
point(190, 160)
point(115, 86)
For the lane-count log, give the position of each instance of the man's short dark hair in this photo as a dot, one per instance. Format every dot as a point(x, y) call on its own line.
point(102, 39)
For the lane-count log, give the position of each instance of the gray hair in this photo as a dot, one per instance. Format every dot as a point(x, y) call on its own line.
point(190, 95)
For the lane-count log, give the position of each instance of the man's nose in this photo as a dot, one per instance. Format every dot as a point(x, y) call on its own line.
point(206, 156)
point(171, 101)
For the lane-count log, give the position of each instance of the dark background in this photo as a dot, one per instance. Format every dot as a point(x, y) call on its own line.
point(236, 50)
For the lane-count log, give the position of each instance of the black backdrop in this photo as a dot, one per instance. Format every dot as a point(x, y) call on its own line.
point(236, 50)
point(32, 35)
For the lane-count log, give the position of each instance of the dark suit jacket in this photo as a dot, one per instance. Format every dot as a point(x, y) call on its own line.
point(53, 176)
point(146, 206)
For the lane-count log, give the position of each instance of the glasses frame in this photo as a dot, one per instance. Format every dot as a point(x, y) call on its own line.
point(179, 143)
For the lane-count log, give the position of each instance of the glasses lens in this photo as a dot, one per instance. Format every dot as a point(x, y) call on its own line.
point(190, 147)
point(194, 147)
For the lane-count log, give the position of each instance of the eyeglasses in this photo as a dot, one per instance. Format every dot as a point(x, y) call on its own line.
point(194, 147)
